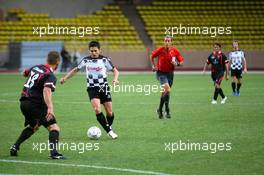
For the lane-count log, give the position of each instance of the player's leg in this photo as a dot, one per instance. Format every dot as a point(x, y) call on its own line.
point(166, 98)
point(30, 122)
point(219, 89)
point(25, 134)
point(167, 95)
point(106, 100)
point(54, 133)
point(162, 78)
point(239, 82)
point(109, 113)
point(233, 83)
point(110, 118)
point(216, 91)
point(96, 104)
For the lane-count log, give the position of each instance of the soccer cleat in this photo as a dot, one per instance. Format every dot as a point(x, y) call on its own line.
point(57, 156)
point(160, 113)
point(112, 134)
point(13, 150)
point(234, 94)
point(214, 102)
point(238, 94)
point(168, 115)
point(223, 100)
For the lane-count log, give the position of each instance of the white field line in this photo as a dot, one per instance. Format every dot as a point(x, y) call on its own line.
point(140, 103)
point(84, 166)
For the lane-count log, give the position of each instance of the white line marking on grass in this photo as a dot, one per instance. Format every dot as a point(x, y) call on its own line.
point(141, 103)
point(146, 103)
point(84, 166)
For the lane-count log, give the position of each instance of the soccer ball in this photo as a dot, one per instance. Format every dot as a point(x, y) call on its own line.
point(94, 132)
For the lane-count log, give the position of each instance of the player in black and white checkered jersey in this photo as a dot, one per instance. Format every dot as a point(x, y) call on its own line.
point(96, 67)
point(238, 63)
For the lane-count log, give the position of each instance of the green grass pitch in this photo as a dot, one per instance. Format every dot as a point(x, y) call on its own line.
point(142, 136)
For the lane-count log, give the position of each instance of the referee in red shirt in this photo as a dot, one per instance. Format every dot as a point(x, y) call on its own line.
point(168, 58)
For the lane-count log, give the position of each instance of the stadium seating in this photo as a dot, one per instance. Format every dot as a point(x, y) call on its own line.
point(115, 32)
point(244, 17)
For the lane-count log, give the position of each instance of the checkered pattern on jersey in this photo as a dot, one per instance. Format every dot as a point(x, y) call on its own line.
point(97, 82)
point(236, 58)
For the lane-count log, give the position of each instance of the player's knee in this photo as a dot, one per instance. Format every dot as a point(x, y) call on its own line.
point(166, 88)
point(97, 110)
point(54, 127)
point(34, 128)
point(109, 112)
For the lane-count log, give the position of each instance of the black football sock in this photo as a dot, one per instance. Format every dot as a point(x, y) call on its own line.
point(110, 119)
point(25, 134)
point(53, 141)
point(238, 86)
point(216, 92)
point(101, 119)
point(221, 93)
point(234, 87)
point(162, 101)
point(167, 102)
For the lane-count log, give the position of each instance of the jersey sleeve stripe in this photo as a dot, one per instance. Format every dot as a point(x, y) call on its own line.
point(47, 84)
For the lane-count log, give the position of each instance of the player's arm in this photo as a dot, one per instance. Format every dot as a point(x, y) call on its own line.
point(207, 62)
point(154, 54)
point(25, 72)
point(205, 67)
point(47, 94)
point(178, 60)
point(116, 75)
point(153, 65)
point(69, 75)
point(245, 65)
point(227, 69)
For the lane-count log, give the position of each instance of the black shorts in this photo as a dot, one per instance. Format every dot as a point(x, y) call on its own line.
point(35, 114)
point(236, 73)
point(102, 93)
point(217, 77)
point(165, 77)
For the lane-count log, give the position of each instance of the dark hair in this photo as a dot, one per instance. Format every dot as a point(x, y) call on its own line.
point(217, 44)
point(94, 44)
point(235, 41)
point(53, 57)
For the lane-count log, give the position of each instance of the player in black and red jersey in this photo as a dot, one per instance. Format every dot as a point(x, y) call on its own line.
point(36, 104)
point(219, 64)
point(168, 58)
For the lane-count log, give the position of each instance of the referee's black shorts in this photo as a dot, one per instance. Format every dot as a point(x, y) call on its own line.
point(165, 77)
point(236, 73)
point(35, 114)
point(102, 93)
point(217, 77)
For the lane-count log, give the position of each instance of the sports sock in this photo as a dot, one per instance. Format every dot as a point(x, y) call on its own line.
point(110, 119)
point(233, 86)
point(216, 92)
point(53, 141)
point(101, 119)
point(167, 102)
point(25, 134)
point(162, 101)
point(238, 86)
point(221, 93)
